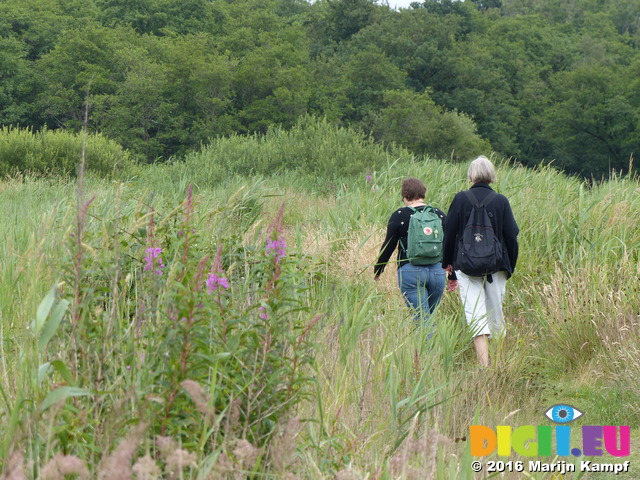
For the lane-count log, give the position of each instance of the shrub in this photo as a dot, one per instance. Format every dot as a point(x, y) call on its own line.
point(313, 146)
point(58, 152)
point(415, 121)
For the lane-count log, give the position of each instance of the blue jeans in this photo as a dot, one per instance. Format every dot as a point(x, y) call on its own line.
point(422, 288)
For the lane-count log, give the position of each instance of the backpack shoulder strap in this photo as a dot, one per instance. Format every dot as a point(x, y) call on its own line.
point(422, 208)
point(472, 198)
point(487, 200)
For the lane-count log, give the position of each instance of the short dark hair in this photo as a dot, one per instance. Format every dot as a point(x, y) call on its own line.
point(413, 189)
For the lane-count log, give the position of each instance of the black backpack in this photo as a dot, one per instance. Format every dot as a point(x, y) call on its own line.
point(479, 250)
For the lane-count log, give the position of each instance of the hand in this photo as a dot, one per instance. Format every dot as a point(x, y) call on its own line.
point(452, 285)
point(376, 278)
point(448, 269)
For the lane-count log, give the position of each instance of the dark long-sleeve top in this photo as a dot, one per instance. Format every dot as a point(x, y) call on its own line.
point(397, 233)
point(502, 220)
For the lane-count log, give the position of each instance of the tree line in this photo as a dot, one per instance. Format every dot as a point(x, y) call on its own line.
point(534, 80)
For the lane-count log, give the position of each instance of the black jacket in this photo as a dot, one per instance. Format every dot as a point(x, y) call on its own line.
point(397, 232)
point(502, 220)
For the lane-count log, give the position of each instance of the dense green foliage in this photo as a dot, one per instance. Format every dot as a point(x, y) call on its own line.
point(538, 81)
point(59, 153)
point(310, 147)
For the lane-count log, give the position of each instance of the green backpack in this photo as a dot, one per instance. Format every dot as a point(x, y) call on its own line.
point(424, 241)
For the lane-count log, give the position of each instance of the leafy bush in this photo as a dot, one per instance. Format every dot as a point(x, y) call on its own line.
point(235, 323)
point(58, 152)
point(415, 121)
point(313, 146)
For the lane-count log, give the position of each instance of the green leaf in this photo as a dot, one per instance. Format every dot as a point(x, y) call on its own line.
point(42, 371)
point(52, 324)
point(44, 308)
point(213, 359)
point(63, 370)
point(61, 394)
point(59, 366)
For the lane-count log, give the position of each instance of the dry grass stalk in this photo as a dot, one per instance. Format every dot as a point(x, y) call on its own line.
point(201, 399)
point(407, 462)
point(117, 465)
point(246, 454)
point(62, 465)
point(222, 468)
point(232, 422)
point(177, 462)
point(235, 467)
point(359, 254)
point(166, 445)
point(146, 469)
point(432, 441)
point(283, 445)
point(399, 463)
point(509, 415)
point(14, 469)
point(347, 474)
point(175, 458)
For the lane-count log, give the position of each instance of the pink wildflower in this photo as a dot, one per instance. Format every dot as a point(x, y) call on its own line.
point(214, 281)
point(153, 261)
point(276, 247)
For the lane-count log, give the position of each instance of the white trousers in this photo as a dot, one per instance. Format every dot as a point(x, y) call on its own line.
point(483, 302)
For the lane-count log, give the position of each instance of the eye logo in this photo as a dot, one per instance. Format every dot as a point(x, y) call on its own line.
point(563, 413)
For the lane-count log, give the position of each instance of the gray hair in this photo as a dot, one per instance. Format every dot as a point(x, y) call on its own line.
point(481, 170)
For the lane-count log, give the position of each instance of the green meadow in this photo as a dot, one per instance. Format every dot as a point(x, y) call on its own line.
point(255, 344)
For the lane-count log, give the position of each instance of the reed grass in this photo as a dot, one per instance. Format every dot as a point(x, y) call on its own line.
point(380, 401)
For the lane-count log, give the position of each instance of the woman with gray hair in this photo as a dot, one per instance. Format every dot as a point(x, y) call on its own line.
point(481, 246)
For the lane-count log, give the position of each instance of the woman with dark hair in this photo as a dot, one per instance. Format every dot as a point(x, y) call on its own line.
point(481, 294)
point(422, 286)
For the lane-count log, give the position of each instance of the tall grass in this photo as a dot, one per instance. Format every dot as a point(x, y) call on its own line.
point(304, 367)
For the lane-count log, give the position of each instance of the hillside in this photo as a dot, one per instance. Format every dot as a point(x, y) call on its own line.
point(537, 81)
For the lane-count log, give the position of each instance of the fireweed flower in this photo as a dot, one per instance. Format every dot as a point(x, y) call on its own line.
point(276, 247)
point(369, 178)
point(214, 281)
point(153, 261)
